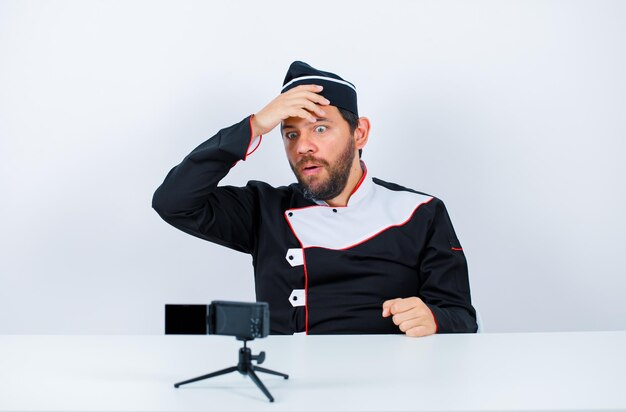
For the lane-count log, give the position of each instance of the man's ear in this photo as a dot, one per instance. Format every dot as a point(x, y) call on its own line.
point(361, 133)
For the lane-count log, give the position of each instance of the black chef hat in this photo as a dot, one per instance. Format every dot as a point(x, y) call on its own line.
point(339, 92)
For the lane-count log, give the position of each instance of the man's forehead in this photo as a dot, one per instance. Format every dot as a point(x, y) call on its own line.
point(293, 122)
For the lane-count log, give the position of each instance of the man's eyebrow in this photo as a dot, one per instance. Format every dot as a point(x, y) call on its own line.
point(317, 119)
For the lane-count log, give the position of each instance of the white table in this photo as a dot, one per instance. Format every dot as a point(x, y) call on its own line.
point(523, 372)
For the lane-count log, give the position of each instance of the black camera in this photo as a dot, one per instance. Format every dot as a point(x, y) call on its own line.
point(244, 320)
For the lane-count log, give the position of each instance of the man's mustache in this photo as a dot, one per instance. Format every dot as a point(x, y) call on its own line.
point(311, 159)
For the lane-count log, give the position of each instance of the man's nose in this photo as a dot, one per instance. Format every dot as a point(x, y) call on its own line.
point(306, 144)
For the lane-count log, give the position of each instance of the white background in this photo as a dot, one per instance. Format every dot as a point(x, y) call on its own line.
point(512, 112)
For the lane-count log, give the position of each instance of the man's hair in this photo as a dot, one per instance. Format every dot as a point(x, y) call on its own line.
point(353, 121)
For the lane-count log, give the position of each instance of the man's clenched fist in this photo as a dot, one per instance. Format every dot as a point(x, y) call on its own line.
point(411, 315)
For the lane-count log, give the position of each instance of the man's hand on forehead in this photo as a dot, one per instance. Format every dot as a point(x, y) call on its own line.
point(303, 101)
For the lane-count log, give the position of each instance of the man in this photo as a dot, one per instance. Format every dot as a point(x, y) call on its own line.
point(338, 252)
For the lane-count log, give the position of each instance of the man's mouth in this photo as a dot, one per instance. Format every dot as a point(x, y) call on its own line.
point(311, 169)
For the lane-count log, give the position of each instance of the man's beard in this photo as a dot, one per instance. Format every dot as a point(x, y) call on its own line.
point(338, 175)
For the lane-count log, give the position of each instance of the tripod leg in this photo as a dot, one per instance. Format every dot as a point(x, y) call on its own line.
point(271, 372)
point(260, 384)
point(207, 376)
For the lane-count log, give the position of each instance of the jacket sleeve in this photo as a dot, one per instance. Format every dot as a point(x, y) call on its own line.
point(444, 277)
point(190, 200)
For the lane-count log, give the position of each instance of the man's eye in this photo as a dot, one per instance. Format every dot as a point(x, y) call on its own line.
point(291, 135)
point(320, 129)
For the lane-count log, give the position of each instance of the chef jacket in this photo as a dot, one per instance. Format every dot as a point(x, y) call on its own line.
point(323, 269)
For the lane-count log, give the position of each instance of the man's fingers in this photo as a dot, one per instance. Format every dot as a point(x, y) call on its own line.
point(317, 109)
point(415, 313)
point(310, 106)
point(312, 96)
point(402, 305)
point(411, 323)
point(387, 305)
point(419, 331)
point(321, 100)
point(315, 88)
point(308, 92)
point(307, 103)
point(302, 113)
point(294, 105)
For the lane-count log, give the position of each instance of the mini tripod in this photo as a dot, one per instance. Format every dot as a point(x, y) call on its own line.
point(244, 367)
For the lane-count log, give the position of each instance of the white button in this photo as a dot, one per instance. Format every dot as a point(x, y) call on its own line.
point(297, 298)
point(295, 257)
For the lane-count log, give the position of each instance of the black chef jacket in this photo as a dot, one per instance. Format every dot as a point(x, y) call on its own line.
point(323, 269)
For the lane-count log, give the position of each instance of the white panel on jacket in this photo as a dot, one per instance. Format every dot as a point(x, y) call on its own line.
point(371, 209)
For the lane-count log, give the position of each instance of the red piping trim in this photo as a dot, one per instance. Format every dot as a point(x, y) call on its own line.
point(456, 248)
point(249, 152)
point(435, 318)
point(255, 147)
point(360, 181)
point(306, 295)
